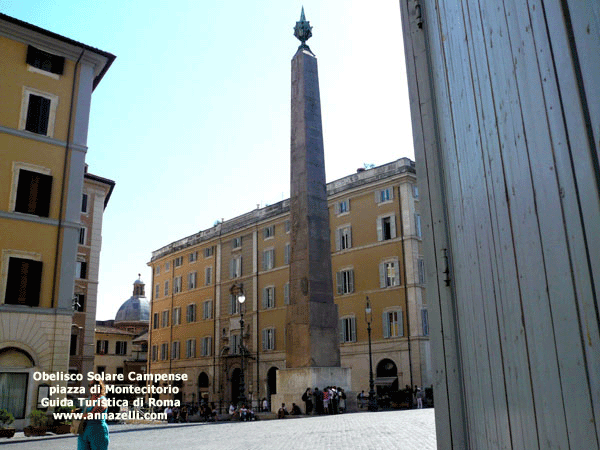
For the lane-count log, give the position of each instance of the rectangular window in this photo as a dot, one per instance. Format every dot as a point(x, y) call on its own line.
point(38, 114)
point(177, 285)
point(343, 238)
point(157, 271)
point(164, 351)
point(82, 233)
point(384, 195)
point(347, 329)
point(33, 193)
point(415, 190)
point(418, 225)
point(269, 232)
point(167, 266)
point(175, 350)
point(268, 261)
point(154, 352)
point(178, 261)
point(192, 277)
point(209, 251)
point(191, 313)
point(236, 242)
point(79, 302)
point(165, 319)
point(190, 348)
point(23, 282)
point(342, 207)
point(100, 370)
point(286, 254)
point(235, 267)
point(81, 270)
point(193, 257)
point(345, 281)
point(392, 324)
point(421, 264)
point(177, 316)
point(208, 276)
point(389, 274)
point(155, 321)
point(288, 226)
point(234, 305)
point(121, 348)
point(268, 339)
point(207, 309)
point(234, 344)
point(73, 346)
point(156, 291)
point(84, 203)
point(102, 347)
point(166, 287)
point(386, 228)
point(45, 61)
point(425, 321)
point(286, 293)
point(206, 346)
point(268, 299)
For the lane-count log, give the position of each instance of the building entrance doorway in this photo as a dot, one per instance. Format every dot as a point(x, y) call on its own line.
point(271, 384)
point(386, 381)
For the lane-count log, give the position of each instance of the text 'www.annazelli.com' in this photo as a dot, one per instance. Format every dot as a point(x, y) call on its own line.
point(127, 415)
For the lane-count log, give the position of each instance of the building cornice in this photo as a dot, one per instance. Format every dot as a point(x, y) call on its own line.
point(255, 217)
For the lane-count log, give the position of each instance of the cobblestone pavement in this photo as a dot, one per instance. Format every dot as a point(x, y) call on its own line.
point(405, 430)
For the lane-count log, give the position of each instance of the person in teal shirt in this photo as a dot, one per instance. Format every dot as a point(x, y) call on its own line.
point(95, 435)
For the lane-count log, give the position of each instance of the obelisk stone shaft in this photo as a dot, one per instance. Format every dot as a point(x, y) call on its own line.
point(312, 338)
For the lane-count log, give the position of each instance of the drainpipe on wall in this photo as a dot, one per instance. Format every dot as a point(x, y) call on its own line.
point(53, 302)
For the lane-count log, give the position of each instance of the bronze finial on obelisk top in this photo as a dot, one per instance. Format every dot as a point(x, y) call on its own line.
point(303, 30)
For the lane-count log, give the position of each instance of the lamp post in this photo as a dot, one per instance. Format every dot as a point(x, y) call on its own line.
point(241, 298)
point(369, 318)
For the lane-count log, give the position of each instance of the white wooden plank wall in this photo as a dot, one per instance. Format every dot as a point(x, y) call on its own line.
point(505, 102)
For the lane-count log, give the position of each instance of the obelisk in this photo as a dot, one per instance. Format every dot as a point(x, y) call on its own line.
point(312, 338)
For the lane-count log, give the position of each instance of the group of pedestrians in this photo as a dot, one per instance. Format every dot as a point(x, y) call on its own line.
point(243, 413)
point(331, 400)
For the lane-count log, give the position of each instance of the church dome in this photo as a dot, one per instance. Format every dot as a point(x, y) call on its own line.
point(136, 308)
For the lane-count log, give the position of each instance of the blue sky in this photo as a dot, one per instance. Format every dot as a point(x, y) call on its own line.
point(192, 121)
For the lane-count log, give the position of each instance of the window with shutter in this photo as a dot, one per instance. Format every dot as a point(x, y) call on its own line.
point(84, 202)
point(23, 282)
point(347, 329)
point(45, 61)
point(286, 293)
point(33, 193)
point(38, 114)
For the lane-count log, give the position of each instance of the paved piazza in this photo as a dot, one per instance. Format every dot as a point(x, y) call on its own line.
point(406, 430)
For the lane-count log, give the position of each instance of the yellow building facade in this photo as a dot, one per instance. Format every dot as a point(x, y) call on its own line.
point(46, 83)
point(376, 253)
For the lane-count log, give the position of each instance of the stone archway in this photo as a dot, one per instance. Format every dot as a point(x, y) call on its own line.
point(14, 380)
point(386, 380)
point(271, 384)
point(203, 384)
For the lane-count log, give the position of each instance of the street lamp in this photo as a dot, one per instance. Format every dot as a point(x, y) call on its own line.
point(369, 319)
point(241, 298)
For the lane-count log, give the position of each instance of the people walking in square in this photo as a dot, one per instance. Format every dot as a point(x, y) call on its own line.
point(307, 399)
point(318, 396)
point(419, 398)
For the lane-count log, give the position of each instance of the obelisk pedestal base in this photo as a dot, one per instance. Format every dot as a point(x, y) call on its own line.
point(292, 383)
